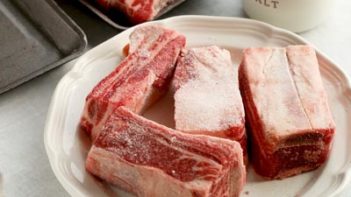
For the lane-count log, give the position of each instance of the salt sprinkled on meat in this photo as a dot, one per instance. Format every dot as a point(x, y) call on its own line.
point(144, 54)
point(149, 159)
point(208, 97)
point(291, 124)
point(161, 160)
point(210, 106)
point(139, 80)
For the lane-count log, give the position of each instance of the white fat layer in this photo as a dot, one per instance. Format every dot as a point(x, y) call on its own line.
point(141, 180)
point(274, 93)
point(304, 69)
point(287, 92)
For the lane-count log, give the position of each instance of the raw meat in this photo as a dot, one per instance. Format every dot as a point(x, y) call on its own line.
point(286, 105)
point(139, 79)
point(149, 159)
point(139, 10)
point(207, 96)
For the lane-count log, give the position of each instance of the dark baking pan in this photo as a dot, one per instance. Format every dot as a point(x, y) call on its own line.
point(35, 36)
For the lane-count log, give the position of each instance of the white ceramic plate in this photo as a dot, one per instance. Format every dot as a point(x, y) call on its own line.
point(67, 148)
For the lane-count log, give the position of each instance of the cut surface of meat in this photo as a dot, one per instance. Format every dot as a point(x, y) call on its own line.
point(207, 96)
point(286, 106)
point(149, 159)
point(138, 80)
point(139, 11)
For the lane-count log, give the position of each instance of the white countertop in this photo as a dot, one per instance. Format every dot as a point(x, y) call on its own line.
point(24, 165)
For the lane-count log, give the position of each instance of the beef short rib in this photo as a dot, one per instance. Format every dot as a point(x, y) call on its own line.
point(138, 80)
point(149, 159)
point(207, 96)
point(139, 11)
point(287, 110)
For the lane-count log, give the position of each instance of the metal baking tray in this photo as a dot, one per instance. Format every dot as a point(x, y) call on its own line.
point(117, 19)
point(35, 36)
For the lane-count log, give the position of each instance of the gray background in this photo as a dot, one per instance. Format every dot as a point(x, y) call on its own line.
point(24, 165)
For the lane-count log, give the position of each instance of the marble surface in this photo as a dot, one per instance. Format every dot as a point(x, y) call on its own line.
point(24, 166)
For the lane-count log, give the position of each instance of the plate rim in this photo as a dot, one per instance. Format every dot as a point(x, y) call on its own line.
point(76, 72)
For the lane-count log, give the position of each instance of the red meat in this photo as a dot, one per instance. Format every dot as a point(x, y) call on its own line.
point(286, 106)
point(207, 96)
point(149, 159)
point(140, 79)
